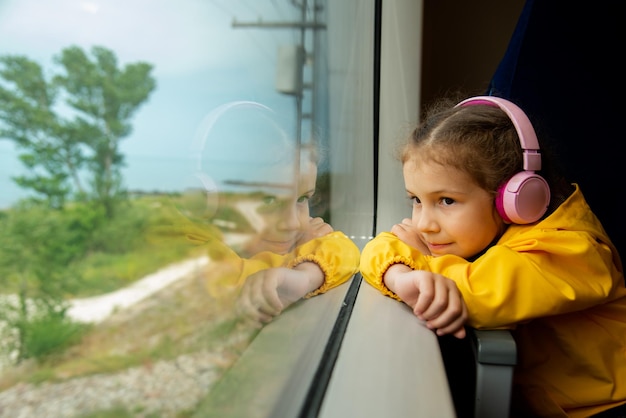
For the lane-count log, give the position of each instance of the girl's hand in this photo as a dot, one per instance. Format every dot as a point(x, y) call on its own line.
point(267, 293)
point(409, 235)
point(434, 298)
point(315, 229)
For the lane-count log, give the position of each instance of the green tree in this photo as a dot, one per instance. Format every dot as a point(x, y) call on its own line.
point(37, 249)
point(26, 108)
point(101, 98)
point(106, 98)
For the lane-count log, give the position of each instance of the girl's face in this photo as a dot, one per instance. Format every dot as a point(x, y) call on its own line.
point(450, 212)
point(282, 214)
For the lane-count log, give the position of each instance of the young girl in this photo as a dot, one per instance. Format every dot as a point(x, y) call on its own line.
point(493, 244)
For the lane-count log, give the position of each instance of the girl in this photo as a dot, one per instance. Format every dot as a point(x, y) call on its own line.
point(493, 244)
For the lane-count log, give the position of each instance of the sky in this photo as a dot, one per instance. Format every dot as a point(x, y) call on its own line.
point(201, 61)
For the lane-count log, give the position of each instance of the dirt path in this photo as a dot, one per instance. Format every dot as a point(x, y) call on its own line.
point(97, 308)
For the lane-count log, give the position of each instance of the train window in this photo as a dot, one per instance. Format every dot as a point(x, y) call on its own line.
point(148, 150)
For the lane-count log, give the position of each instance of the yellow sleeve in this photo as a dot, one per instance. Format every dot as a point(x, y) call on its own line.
point(530, 273)
point(335, 253)
point(382, 252)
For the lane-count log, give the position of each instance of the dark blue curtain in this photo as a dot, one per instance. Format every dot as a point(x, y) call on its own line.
point(564, 66)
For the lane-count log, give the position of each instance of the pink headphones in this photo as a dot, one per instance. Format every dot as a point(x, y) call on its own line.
point(524, 198)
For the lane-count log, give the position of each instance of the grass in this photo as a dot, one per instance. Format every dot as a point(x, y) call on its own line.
point(180, 319)
point(177, 320)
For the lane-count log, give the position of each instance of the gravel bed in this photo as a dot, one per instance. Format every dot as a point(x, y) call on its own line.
point(162, 389)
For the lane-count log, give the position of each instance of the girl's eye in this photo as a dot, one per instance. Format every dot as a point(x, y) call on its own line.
point(269, 200)
point(446, 201)
point(304, 198)
point(414, 200)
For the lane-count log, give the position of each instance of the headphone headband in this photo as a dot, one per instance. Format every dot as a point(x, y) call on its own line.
point(525, 130)
point(524, 197)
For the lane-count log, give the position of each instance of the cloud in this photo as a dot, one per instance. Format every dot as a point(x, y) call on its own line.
point(178, 37)
point(89, 7)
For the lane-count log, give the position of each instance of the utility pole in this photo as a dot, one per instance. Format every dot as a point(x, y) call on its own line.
point(292, 60)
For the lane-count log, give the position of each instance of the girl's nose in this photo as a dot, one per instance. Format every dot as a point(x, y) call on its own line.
point(425, 221)
point(288, 219)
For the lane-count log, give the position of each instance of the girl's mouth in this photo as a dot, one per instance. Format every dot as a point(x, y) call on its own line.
point(437, 248)
point(280, 247)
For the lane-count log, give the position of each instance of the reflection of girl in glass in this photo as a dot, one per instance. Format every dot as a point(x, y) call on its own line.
point(290, 254)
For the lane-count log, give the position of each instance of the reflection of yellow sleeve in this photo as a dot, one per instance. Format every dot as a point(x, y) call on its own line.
point(225, 275)
point(335, 253)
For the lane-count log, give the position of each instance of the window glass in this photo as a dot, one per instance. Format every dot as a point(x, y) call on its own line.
point(146, 148)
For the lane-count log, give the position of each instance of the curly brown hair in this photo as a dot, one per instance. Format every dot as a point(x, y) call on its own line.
point(478, 140)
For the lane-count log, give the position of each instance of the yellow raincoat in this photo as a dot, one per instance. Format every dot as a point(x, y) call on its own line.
point(559, 286)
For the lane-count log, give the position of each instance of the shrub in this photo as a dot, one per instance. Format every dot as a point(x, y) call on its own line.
point(48, 333)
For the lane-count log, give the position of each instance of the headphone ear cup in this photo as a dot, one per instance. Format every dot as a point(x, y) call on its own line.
point(524, 198)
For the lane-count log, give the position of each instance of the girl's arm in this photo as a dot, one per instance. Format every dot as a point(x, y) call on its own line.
point(531, 272)
point(267, 293)
point(434, 298)
point(317, 266)
point(337, 256)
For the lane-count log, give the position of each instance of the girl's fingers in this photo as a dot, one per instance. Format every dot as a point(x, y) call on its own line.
point(259, 300)
point(446, 313)
point(425, 297)
point(457, 329)
point(452, 321)
point(440, 300)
